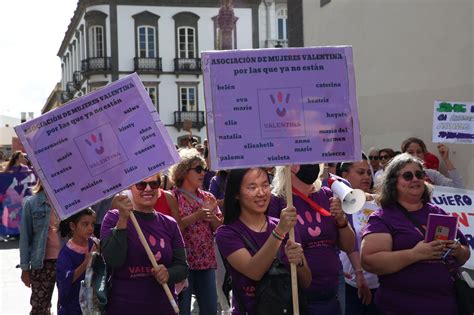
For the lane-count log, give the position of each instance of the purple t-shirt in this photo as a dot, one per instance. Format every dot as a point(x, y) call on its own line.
point(318, 236)
point(229, 241)
point(425, 287)
point(134, 288)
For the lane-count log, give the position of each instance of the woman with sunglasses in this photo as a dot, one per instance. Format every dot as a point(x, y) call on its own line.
point(323, 231)
point(385, 155)
point(360, 285)
point(417, 148)
point(413, 277)
point(247, 196)
point(200, 217)
point(135, 284)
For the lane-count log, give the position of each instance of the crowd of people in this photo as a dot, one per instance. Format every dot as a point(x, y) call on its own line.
point(201, 224)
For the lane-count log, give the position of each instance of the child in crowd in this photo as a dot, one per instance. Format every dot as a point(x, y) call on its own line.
point(73, 259)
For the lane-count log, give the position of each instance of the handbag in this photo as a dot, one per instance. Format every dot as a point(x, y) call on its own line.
point(463, 292)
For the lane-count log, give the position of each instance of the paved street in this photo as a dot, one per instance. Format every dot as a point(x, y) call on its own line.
point(14, 296)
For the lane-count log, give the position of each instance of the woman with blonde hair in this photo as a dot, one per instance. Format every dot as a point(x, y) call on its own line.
point(200, 217)
point(323, 229)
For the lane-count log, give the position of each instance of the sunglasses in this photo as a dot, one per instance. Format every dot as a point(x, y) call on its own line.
point(384, 157)
point(153, 185)
point(373, 157)
point(408, 176)
point(198, 169)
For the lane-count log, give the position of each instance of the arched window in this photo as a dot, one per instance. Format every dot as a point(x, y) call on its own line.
point(186, 42)
point(282, 30)
point(146, 42)
point(96, 38)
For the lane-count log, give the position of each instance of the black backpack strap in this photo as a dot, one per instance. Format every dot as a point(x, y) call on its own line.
point(411, 218)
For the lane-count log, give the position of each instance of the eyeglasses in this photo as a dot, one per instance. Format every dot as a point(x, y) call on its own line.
point(153, 185)
point(408, 176)
point(198, 169)
point(253, 189)
point(373, 157)
point(384, 157)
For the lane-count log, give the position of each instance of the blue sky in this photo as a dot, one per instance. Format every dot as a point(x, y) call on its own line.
point(30, 36)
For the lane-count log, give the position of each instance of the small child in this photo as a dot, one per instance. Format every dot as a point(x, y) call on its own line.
point(73, 259)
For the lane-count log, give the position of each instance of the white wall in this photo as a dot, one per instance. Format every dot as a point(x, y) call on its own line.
point(407, 54)
point(6, 133)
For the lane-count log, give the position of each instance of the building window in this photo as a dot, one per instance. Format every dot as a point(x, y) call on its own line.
point(146, 42)
point(96, 36)
point(187, 99)
point(153, 93)
point(282, 28)
point(186, 42)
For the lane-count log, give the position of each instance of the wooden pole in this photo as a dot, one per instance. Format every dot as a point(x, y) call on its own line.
point(153, 260)
point(294, 279)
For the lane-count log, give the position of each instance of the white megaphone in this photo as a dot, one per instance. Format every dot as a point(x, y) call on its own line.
point(352, 199)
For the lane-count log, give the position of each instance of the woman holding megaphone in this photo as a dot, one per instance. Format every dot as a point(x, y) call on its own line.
point(323, 229)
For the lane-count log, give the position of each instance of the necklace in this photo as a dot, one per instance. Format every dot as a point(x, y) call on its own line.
point(264, 223)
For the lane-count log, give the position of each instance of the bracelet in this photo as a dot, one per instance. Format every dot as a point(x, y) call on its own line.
point(277, 236)
point(358, 270)
point(282, 236)
point(301, 263)
point(342, 226)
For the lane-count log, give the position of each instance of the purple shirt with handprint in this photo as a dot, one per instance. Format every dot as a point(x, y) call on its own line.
point(318, 235)
point(425, 287)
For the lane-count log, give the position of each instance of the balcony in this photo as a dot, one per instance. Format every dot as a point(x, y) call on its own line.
point(187, 65)
point(148, 65)
point(77, 79)
point(101, 64)
point(64, 97)
point(197, 118)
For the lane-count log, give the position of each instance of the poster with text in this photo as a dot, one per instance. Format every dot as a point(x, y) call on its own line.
point(97, 145)
point(271, 107)
point(453, 122)
point(458, 202)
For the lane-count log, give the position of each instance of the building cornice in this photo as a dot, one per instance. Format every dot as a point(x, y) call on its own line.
point(83, 4)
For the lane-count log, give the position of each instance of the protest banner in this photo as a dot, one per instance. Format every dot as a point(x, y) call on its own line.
point(97, 145)
point(272, 107)
point(458, 202)
point(453, 122)
point(13, 188)
point(281, 106)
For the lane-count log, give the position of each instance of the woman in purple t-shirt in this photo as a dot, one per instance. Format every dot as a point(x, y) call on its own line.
point(321, 235)
point(137, 286)
point(246, 201)
point(413, 279)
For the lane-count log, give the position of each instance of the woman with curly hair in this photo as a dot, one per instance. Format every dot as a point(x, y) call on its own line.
point(200, 217)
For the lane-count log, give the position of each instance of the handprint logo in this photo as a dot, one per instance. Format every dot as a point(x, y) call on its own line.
point(316, 231)
point(279, 101)
point(96, 142)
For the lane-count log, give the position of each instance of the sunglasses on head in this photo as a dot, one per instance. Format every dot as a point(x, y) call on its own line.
point(408, 176)
point(384, 157)
point(153, 184)
point(198, 169)
point(373, 157)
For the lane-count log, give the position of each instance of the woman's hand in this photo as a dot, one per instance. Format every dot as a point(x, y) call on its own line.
point(161, 274)
point(26, 277)
point(335, 208)
point(363, 290)
point(428, 251)
point(455, 248)
point(287, 220)
point(123, 204)
point(294, 252)
point(443, 151)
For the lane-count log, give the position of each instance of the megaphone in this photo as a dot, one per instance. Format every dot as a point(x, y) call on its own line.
point(352, 199)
